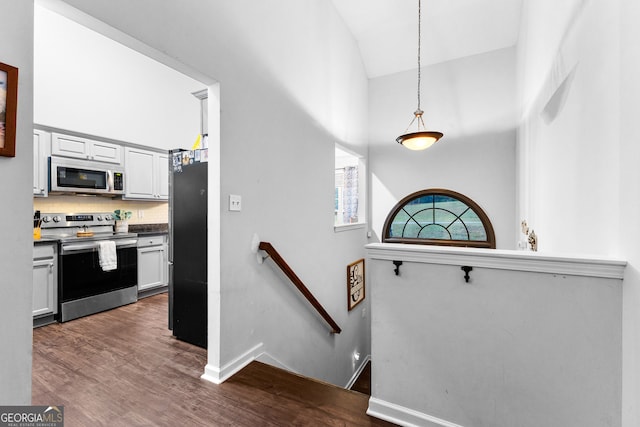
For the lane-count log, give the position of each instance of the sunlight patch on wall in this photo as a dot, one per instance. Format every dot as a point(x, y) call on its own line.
point(383, 203)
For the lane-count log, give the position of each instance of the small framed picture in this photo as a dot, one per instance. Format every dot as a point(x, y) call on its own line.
point(8, 108)
point(355, 283)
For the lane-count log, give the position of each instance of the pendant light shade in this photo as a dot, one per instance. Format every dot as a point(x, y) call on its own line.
point(421, 138)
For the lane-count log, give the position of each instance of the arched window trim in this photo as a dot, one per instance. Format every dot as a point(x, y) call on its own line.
point(489, 243)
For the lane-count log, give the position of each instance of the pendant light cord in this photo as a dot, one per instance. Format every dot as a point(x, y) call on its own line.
point(422, 138)
point(419, 31)
point(417, 115)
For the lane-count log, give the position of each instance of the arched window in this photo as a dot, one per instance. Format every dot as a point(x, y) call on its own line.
point(439, 217)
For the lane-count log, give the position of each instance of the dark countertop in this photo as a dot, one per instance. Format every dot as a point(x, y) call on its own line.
point(44, 240)
point(146, 229)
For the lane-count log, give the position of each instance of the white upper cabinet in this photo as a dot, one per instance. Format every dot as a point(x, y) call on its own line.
point(84, 148)
point(146, 174)
point(41, 149)
point(163, 176)
point(139, 181)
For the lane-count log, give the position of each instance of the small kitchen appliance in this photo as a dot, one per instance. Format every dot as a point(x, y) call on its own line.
point(85, 177)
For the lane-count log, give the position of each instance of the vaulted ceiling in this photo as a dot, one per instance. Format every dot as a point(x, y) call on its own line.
point(387, 30)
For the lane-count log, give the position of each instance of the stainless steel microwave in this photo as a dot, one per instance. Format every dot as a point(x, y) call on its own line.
point(86, 177)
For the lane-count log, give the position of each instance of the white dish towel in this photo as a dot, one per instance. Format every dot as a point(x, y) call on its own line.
point(107, 255)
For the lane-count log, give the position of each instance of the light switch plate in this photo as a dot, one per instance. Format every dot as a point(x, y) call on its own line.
point(235, 202)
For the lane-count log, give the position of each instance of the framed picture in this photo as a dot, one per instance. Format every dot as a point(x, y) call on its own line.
point(8, 108)
point(355, 283)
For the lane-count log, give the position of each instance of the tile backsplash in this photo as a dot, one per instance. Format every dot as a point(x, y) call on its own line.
point(143, 212)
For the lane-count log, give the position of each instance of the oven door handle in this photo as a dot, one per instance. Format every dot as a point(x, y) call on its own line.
point(78, 247)
point(126, 243)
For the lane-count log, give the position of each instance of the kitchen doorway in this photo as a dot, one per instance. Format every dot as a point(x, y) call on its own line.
point(74, 95)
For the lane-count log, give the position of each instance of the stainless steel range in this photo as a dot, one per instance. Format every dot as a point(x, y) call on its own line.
point(86, 284)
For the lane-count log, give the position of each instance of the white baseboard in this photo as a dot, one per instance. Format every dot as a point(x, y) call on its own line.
point(268, 359)
point(357, 373)
point(219, 375)
point(404, 416)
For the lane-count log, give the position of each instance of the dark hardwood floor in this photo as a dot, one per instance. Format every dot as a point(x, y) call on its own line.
point(363, 382)
point(123, 368)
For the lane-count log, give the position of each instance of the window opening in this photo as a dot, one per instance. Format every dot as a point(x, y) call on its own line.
point(348, 188)
point(439, 217)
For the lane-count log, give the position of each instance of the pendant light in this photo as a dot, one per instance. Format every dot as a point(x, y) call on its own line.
point(422, 138)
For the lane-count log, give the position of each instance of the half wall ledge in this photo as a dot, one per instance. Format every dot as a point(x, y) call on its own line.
point(501, 259)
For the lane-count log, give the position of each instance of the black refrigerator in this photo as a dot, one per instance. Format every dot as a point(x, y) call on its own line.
point(188, 245)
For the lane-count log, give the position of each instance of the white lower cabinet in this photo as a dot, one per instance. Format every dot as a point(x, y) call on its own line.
point(45, 279)
point(153, 269)
point(41, 149)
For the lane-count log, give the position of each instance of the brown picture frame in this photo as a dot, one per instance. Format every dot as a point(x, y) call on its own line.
point(8, 109)
point(355, 284)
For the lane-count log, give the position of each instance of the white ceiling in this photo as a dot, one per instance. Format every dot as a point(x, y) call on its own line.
point(387, 30)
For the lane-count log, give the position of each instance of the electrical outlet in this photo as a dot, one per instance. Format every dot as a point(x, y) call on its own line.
point(140, 213)
point(235, 202)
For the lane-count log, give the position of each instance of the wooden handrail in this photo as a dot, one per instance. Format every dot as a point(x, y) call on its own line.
point(275, 256)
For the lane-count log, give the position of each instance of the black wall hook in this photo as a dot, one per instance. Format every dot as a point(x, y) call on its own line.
point(466, 270)
point(397, 269)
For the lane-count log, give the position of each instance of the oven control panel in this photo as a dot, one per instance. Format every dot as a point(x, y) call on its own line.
point(59, 220)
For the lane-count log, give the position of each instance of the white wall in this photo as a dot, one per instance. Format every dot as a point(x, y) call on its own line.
point(16, 247)
point(582, 193)
point(289, 89)
point(629, 227)
point(529, 341)
point(285, 173)
point(472, 101)
point(570, 177)
point(86, 82)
